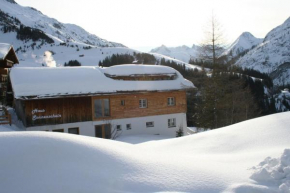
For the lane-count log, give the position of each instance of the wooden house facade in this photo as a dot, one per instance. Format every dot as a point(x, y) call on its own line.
point(8, 59)
point(99, 105)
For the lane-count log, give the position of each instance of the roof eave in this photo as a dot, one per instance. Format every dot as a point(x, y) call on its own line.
point(37, 97)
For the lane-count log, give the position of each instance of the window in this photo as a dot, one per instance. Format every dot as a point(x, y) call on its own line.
point(171, 122)
point(122, 102)
point(143, 103)
point(102, 108)
point(171, 101)
point(128, 126)
point(119, 127)
point(74, 130)
point(150, 124)
point(58, 130)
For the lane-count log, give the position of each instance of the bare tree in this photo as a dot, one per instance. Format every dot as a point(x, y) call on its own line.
point(213, 42)
point(115, 132)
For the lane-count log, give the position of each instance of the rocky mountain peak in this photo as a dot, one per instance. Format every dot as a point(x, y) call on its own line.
point(272, 56)
point(247, 35)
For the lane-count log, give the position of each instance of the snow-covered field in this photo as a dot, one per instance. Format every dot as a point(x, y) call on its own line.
point(231, 159)
point(137, 139)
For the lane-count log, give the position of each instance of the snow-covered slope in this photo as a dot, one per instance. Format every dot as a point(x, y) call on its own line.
point(245, 41)
point(36, 54)
point(272, 55)
point(65, 32)
point(54, 43)
point(183, 53)
point(210, 162)
point(70, 42)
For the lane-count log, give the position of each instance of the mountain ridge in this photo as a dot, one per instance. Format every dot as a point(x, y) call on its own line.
point(33, 18)
point(183, 53)
point(246, 41)
point(42, 41)
point(271, 56)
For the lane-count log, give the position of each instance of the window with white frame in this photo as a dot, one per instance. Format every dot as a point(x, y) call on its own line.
point(171, 122)
point(170, 101)
point(150, 124)
point(143, 103)
point(122, 102)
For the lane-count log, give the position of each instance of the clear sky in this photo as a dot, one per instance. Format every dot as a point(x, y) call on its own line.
point(145, 24)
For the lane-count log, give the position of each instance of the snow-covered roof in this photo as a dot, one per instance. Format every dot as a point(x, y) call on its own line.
point(4, 49)
point(44, 82)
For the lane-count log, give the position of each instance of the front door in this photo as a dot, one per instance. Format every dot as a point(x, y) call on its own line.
point(103, 131)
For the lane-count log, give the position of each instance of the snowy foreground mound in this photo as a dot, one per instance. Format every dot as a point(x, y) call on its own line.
point(275, 171)
point(224, 160)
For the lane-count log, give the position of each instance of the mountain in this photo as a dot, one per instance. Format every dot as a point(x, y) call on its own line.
point(183, 53)
point(43, 41)
point(272, 55)
point(33, 18)
point(246, 41)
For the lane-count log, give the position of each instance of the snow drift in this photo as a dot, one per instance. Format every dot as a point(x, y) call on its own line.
point(274, 171)
point(271, 175)
point(214, 161)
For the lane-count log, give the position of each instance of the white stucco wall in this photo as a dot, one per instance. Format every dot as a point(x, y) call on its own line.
point(138, 125)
